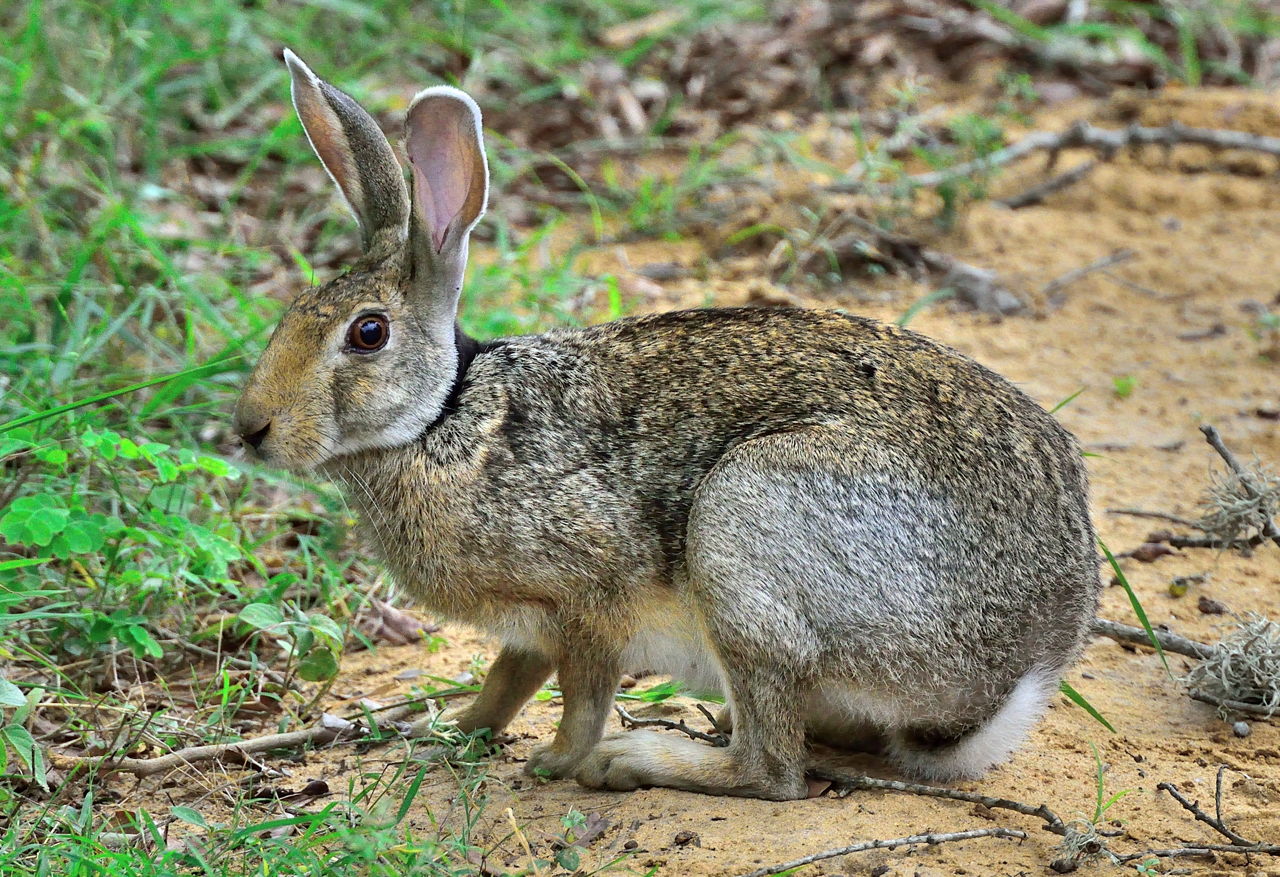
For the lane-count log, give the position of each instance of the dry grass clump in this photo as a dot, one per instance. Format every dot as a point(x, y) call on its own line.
point(1244, 667)
point(1236, 503)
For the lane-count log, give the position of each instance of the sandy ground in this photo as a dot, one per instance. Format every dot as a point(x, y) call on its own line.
point(1207, 243)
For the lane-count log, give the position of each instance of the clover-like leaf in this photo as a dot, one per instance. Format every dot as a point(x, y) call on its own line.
point(318, 665)
point(261, 615)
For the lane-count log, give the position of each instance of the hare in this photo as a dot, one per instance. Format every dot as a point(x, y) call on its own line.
point(851, 531)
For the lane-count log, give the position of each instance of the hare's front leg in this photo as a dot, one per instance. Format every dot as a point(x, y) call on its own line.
point(512, 679)
point(588, 676)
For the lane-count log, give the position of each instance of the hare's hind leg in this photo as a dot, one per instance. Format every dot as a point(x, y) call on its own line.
point(760, 631)
point(944, 752)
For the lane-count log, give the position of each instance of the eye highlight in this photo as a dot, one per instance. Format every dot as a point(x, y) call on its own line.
point(368, 333)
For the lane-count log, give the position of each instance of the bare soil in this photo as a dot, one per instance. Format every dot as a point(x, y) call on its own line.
point(1206, 233)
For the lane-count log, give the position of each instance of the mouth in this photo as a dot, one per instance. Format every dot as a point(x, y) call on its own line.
point(299, 461)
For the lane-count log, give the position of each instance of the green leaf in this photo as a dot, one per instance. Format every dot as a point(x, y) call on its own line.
point(261, 615)
point(52, 456)
point(10, 694)
point(141, 642)
point(1137, 606)
point(568, 858)
point(191, 817)
point(22, 561)
point(1079, 700)
point(319, 665)
point(22, 742)
point(216, 467)
point(326, 627)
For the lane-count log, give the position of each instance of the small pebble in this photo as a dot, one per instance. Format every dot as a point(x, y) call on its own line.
point(684, 838)
point(1241, 729)
point(630, 845)
point(627, 681)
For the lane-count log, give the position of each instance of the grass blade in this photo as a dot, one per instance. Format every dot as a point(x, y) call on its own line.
point(1137, 606)
point(192, 372)
point(1079, 700)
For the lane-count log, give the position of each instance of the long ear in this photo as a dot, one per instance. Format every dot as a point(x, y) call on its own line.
point(354, 152)
point(450, 190)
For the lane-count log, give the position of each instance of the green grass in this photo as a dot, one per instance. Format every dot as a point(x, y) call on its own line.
point(158, 203)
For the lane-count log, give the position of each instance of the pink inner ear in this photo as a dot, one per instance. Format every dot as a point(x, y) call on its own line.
point(442, 162)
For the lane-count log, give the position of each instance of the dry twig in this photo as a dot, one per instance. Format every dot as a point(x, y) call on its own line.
point(330, 729)
point(1247, 482)
point(1239, 844)
point(1063, 281)
point(630, 721)
point(1238, 706)
point(1158, 516)
point(1037, 193)
point(1214, 822)
point(930, 839)
point(843, 784)
point(1083, 135)
point(1170, 642)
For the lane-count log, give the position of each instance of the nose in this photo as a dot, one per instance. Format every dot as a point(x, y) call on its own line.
point(255, 437)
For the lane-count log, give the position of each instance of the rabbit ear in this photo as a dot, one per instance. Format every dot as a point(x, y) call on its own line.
point(450, 185)
point(354, 152)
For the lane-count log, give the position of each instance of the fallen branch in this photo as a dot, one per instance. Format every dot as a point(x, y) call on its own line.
point(1083, 135)
point(1202, 850)
point(630, 721)
point(1238, 706)
point(1170, 642)
point(330, 729)
point(843, 784)
point(930, 839)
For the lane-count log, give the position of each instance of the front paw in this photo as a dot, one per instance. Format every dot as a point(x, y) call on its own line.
point(549, 762)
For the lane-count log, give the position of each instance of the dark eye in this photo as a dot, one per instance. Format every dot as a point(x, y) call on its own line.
point(368, 333)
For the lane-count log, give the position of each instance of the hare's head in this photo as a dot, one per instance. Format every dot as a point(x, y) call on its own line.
point(368, 360)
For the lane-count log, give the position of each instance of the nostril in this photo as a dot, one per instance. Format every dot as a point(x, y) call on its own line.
point(257, 436)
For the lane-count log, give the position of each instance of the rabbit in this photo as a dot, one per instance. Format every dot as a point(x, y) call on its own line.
point(854, 533)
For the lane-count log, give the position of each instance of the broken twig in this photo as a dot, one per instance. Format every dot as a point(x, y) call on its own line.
point(630, 721)
point(330, 729)
point(1063, 281)
point(1214, 822)
point(1083, 135)
point(1170, 642)
point(843, 784)
point(1040, 191)
point(930, 839)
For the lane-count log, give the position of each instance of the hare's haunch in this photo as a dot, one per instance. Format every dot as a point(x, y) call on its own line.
point(854, 533)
